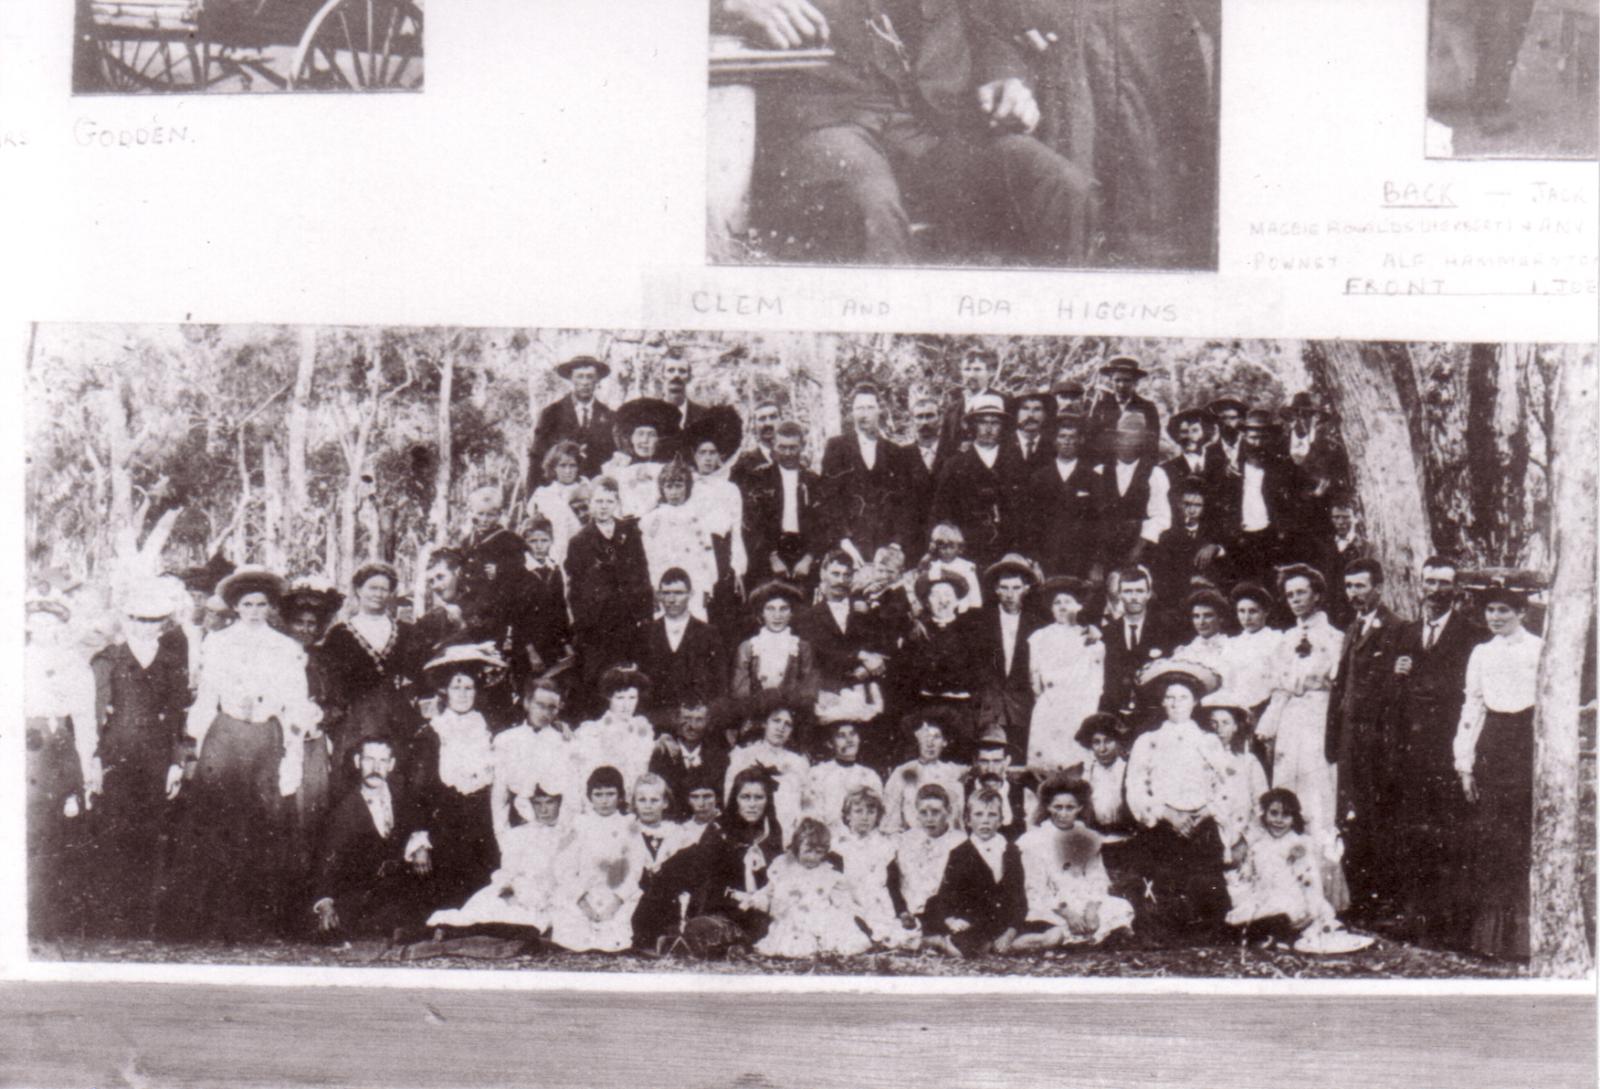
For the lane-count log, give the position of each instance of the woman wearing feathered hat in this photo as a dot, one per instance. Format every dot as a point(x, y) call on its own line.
point(251, 711)
point(646, 430)
point(1177, 789)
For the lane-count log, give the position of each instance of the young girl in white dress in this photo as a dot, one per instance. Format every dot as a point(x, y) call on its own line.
point(866, 853)
point(1066, 660)
point(523, 891)
point(1222, 714)
point(1069, 891)
point(597, 876)
point(774, 716)
point(677, 533)
point(621, 738)
point(1280, 880)
point(554, 499)
point(809, 900)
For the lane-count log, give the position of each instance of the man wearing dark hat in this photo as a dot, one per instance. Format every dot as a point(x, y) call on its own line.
point(921, 110)
point(1069, 397)
point(1197, 461)
point(1431, 678)
point(1063, 518)
point(579, 416)
point(141, 696)
point(1361, 741)
point(784, 526)
point(1033, 413)
point(866, 483)
point(1006, 692)
point(1111, 406)
point(1263, 494)
point(981, 489)
point(1132, 497)
point(992, 768)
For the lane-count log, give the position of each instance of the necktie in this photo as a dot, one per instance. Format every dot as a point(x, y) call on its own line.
point(1433, 635)
point(1133, 636)
point(583, 417)
point(1027, 449)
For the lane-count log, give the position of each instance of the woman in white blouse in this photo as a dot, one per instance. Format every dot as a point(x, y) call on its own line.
point(1494, 758)
point(710, 441)
point(452, 770)
point(1178, 789)
point(251, 713)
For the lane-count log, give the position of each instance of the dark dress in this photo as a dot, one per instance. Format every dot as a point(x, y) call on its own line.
point(460, 826)
point(54, 839)
point(1502, 835)
point(942, 665)
point(362, 687)
point(608, 587)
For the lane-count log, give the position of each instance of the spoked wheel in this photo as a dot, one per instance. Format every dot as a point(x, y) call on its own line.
point(361, 45)
point(174, 64)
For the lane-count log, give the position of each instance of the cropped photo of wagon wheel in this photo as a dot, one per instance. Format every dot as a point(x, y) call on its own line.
point(154, 45)
point(361, 45)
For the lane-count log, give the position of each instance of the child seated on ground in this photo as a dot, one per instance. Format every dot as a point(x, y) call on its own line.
point(808, 899)
point(1101, 734)
point(522, 892)
point(1068, 890)
point(774, 716)
point(866, 853)
point(597, 877)
point(920, 854)
point(982, 898)
point(621, 738)
point(830, 782)
point(1278, 893)
point(932, 730)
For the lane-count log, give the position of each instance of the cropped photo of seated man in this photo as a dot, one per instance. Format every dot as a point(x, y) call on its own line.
point(919, 118)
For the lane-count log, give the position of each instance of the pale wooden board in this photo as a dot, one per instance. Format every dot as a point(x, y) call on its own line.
point(142, 1035)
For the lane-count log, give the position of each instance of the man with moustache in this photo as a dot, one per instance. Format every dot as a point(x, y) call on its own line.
point(764, 422)
point(1431, 674)
point(676, 373)
point(1032, 413)
point(579, 416)
point(1258, 497)
point(1197, 462)
point(931, 452)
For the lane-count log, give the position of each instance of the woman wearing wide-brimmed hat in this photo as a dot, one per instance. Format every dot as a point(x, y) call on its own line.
point(1177, 788)
point(365, 659)
point(251, 712)
point(1066, 660)
point(647, 429)
point(710, 442)
point(451, 769)
point(942, 661)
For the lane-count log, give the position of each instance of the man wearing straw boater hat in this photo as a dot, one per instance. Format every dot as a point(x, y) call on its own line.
point(579, 416)
point(981, 487)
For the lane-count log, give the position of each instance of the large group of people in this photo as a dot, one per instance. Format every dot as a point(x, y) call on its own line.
point(1025, 680)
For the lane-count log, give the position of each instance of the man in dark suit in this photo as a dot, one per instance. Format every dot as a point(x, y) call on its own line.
point(1259, 496)
point(783, 522)
point(930, 451)
point(980, 367)
point(920, 111)
point(1062, 514)
point(840, 637)
point(676, 374)
point(579, 417)
point(375, 866)
point(1359, 739)
point(1185, 550)
point(682, 656)
point(1006, 686)
point(1132, 498)
point(1431, 672)
point(1109, 407)
point(981, 488)
point(1033, 435)
point(1197, 462)
point(691, 756)
point(495, 574)
point(866, 483)
point(1133, 640)
point(764, 420)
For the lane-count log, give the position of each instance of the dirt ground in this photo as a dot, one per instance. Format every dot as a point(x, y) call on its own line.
point(1385, 959)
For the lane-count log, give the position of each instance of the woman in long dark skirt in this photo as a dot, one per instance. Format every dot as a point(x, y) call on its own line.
point(1178, 789)
point(942, 661)
point(451, 772)
point(249, 718)
point(1494, 758)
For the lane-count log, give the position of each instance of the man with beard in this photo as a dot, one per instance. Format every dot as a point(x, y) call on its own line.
point(1431, 674)
point(1358, 740)
point(866, 482)
point(980, 488)
point(375, 865)
point(764, 426)
point(1069, 397)
point(579, 416)
point(141, 696)
point(931, 452)
point(1062, 506)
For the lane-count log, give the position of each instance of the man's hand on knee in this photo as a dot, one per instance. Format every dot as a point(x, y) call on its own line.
point(1010, 104)
point(785, 24)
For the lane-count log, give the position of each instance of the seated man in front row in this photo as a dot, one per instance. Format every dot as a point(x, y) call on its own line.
point(919, 108)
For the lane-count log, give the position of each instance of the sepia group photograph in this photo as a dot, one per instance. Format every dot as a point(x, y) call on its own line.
point(1012, 133)
point(857, 654)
